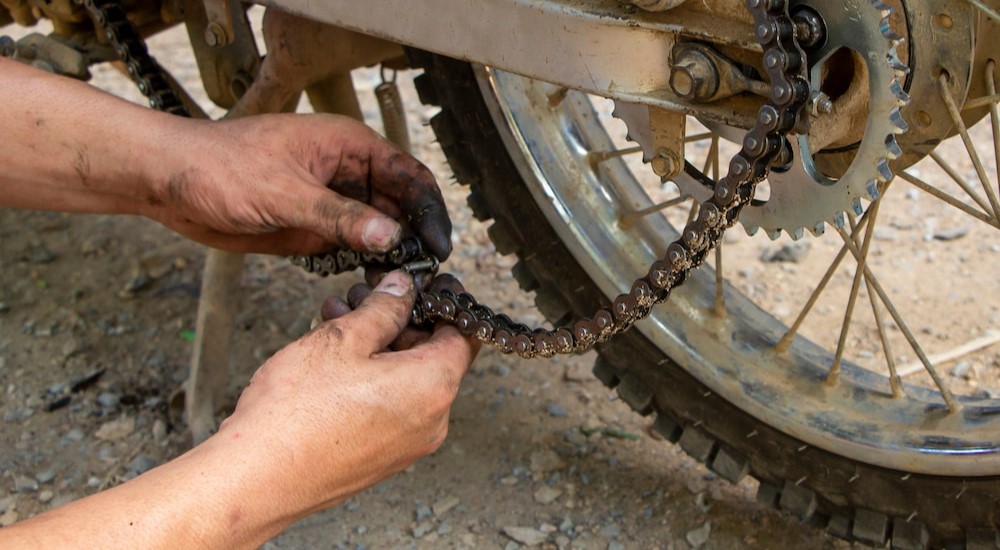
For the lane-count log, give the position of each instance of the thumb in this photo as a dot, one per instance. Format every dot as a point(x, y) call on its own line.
point(348, 223)
point(384, 314)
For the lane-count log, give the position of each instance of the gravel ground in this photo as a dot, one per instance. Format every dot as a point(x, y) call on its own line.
point(96, 315)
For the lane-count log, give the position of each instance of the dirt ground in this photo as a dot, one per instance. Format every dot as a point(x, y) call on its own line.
point(96, 320)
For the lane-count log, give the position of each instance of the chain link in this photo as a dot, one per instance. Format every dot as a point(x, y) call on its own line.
point(784, 63)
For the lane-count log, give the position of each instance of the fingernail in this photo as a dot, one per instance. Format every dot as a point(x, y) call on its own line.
point(395, 283)
point(380, 233)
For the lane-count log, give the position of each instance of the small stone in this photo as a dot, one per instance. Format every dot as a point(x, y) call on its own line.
point(361, 529)
point(4, 307)
point(39, 254)
point(962, 370)
point(887, 234)
point(578, 372)
point(547, 495)
point(556, 410)
point(543, 462)
point(699, 536)
point(420, 530)
point(76, 434)
point(423, 512)
point(25, 484)
point(445, 505)
point(46, 476)
point(116, 430)
point(615, 545)
point(9, 518)
point(611, 531)
point(443, 529)
point(62, 499)
point(159, 430)
point(951, 234)
point(5, 503)
point(108, 400)
point(792, 253)
point(19, 414)
point(528, 536)
point(45, 496)
point(141, 464)
point(503, 371)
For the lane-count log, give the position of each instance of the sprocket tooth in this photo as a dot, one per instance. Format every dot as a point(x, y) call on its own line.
point(819, 229)
point(898, 122)
point(897, 90)
point(884, 171)
point(872, 190)
point(751, 229)
point(892, 148)
point(798, 233)
point(857, 207)
point(774, 235)
point(839, 221)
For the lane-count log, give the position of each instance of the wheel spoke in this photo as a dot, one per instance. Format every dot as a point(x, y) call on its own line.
point(991, 13)
point(956, 118)
point(991, 99)
point(946, 393)
point(895, 382)
point(720, 295)
point(852, 300)
point(991, 87)
point(950, 170)
point(937, 193)
point(594, 158)
point(627, 220)
point(786, 339)
point(700, 137)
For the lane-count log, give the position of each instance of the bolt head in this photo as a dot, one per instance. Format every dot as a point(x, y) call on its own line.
point(215, 35)
point(665, 163)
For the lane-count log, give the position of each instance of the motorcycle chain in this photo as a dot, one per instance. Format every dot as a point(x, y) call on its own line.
point(763, 145)
point(111, 18)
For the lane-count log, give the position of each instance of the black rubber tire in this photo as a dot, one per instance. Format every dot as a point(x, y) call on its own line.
point(851, 499)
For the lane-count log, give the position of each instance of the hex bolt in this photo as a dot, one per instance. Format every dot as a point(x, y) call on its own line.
point(665, 164)
point(215, 35)
point(821, 104)
point(694, 76)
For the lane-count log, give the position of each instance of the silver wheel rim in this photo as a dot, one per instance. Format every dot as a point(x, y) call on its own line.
point(733, 356)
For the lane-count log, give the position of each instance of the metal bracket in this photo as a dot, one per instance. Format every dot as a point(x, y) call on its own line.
point(224, 47)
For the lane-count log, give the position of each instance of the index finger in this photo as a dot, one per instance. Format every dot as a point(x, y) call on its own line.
point(405, 179)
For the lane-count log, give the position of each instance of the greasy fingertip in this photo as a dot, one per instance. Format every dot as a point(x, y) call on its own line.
point(357, 294)
point(396, 283)
point(434, 226)
point(334, 307)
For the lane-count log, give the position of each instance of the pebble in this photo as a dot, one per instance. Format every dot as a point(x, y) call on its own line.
point(9, 518)
point(792, 253)
point(445, 505)
point(423, 512)
point(19, 414)
point(108, 400)
point(951, 234)
point(543, 462)
point(547, 495)
point(5, 503)
point(141, 464)
point(555, 410)
point(528, 536)
point(46, 476)
point(578, 372)
point(611, 531)
point(503, 371)
point(699, 536)
point(25, 484)
point(420, 530)
point(117, 429)
point(63, 499)
point(4, 307)
point(45, 496)
point(159, 430)
point(962, 370)
point(615, 545)
point(76, 434)
point(39, 254)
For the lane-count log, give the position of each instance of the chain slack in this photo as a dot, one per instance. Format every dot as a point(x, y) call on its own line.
point(784, 63)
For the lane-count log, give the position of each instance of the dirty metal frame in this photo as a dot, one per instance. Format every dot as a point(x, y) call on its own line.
point(604, 47)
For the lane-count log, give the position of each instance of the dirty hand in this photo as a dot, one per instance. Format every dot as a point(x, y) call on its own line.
point(295, 184)
point(334, 413)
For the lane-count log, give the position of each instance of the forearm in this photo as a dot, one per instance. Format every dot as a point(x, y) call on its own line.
point(214, 496)
point(71, 147)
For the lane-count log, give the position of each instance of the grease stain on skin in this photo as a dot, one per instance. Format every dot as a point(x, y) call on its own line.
point(81, 164)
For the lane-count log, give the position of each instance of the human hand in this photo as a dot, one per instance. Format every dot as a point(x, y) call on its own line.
point(295, 184)
point(332, 413)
